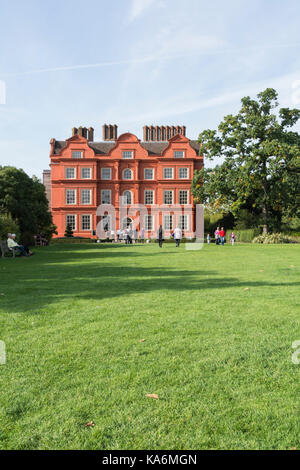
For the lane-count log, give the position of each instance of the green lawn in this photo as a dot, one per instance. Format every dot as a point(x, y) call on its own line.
point(217, 355)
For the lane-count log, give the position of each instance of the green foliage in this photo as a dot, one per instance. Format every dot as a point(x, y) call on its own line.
point(8, 225)
point(25, 199)
point(69, 231)
point(212, 220)
point(246, 219)
point(273, 238)
point(261, 167)
point(246, 235)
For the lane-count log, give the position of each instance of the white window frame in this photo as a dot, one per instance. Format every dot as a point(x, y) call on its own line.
point(147, 169)
point(81, 173)
point(187, 221)
point(169, 226)
point(168, 191)
point(106, 168)
point(107, 191)
point(90, 218)
point(128, 153)
point(75, 221)
point(90, 197)
point(131, 197)
point(66, 172)
point(79, 153)
point(131, 174)
point(177, 152)
point(147, 225)
point(187, 197)
point(153, 197)
point(75, 197)
point(172, 173)
point(187, 170)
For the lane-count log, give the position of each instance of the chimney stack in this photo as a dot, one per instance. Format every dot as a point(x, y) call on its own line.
point(161, 133)
point(110, 132)
point(74, 131)
point(90, 134)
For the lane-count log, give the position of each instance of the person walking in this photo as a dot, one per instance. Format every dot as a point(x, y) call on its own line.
point(232, 238)
point(208, 238)
point(222, 236)
point(177, 236)
point(160, 236)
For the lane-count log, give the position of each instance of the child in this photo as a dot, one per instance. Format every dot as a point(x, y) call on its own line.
point(208, 238)
point(232, 236)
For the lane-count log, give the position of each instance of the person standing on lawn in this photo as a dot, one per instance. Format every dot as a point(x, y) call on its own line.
point(232, 238)
point(160, 236)
point(217, 236)
point(222, 236)
point(177, 236)
point(208, 238)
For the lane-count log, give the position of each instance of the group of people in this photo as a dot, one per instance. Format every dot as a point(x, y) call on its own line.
point(13, 245)
point(177, 235)
point(220, 237)
point(127, 235)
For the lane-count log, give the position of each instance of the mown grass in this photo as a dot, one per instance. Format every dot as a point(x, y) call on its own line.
point(217, 355)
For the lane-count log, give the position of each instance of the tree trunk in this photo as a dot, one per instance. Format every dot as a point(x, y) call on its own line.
point(265, 217)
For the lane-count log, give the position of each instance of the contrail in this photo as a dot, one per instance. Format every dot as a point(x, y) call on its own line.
point(142, 60)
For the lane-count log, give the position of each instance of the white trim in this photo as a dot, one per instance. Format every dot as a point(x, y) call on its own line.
point(86, 229)
point(110, 173)
point(146, 223)
point(127, 151)
point(70, 168)
point(149, 179)
point(164, 224)
point(131, 174)
point(188, 221)
point(153, 193)
point(188, 197)
point(109, 190)
point(178, 150)
point(77, 151)
point(184, 168)
point(131, 196)
point(86, 203)
point(169, 190)
point(168, 168)
point(86, 168)
point(75, 220)
point(75, 198)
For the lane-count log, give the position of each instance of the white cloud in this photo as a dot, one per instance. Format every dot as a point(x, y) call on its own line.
point(138, 7)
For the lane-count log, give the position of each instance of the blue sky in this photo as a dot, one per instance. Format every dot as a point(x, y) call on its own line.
point(135, 62)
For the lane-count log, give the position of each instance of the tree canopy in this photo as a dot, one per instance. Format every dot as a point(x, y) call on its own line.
point(24, 198)
point(260, 166)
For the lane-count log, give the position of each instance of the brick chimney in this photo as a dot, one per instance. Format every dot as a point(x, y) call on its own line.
point(110, 132)
point(90, 134)
point(146, 133)
point(74, 131)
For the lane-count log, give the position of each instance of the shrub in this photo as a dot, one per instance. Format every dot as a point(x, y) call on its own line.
point(273, 238)
point(8, 225)
point(245, 236)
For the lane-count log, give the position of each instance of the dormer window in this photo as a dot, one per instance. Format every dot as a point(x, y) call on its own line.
point(127, 154)
point(178, 153)
point(77, 154)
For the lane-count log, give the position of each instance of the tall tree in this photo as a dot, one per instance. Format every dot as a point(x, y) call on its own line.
point(261, 160)
point(25, 199)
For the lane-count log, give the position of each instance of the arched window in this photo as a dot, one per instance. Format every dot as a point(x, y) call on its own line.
point(127, 174)
point(127, 197)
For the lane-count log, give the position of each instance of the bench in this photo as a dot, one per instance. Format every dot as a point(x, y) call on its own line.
point(5, 249)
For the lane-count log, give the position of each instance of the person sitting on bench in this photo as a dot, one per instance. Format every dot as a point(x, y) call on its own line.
point(13, 245)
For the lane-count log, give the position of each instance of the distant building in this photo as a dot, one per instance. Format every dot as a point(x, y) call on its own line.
point(158, 171)
point(47, 184)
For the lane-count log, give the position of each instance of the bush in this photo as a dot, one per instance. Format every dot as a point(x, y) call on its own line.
point(274, 238)
point(8, 225)
point(245, 236)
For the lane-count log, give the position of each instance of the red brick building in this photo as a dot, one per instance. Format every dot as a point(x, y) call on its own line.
point(156, 173)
